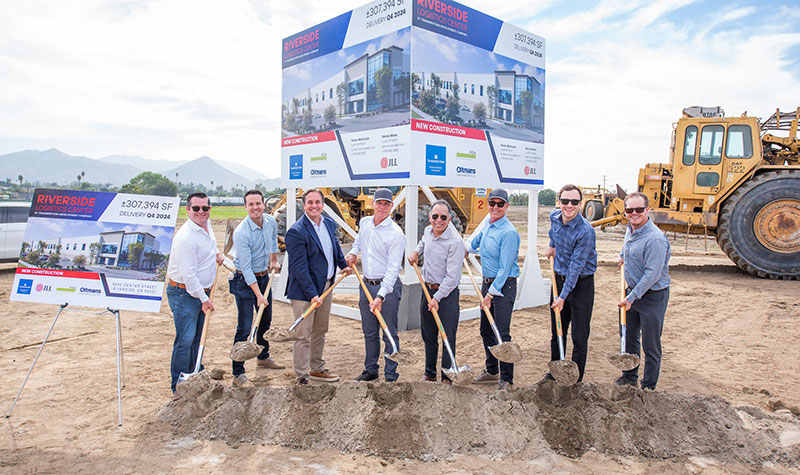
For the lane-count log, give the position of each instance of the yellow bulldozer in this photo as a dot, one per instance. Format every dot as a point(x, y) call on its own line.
point(729, 177)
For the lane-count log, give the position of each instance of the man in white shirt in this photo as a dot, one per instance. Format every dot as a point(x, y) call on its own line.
point(192, 267)
point(381, 243)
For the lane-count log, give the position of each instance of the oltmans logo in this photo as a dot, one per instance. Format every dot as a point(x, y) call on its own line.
point(465, 171)
point(85, 290)
point(316, 172)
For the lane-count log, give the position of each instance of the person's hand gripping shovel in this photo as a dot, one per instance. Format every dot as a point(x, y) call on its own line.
point(245, 350)
point(506, 351)
point(184, 376)
point(623, 361)
point(460, 375)
point(396, 355)
point(282, 334)
point(565, 372)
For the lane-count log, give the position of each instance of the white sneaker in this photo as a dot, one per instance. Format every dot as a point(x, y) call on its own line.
point(241, 381)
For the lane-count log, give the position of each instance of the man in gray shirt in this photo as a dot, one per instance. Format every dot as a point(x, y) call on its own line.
point(646, 254)
point(444, 252)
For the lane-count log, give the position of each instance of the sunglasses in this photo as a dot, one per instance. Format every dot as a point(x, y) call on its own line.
point(198, 208)
point(443, 217)
point(565, 201)
point(639, 210)
point(499, 204)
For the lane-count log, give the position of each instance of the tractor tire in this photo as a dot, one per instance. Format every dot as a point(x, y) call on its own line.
point(593, 210)
point(759, 226)
point(280, 217)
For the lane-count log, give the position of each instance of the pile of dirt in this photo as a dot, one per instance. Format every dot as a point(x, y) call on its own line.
point(431, 422)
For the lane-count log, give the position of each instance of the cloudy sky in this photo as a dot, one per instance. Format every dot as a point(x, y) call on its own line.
point(178, 79)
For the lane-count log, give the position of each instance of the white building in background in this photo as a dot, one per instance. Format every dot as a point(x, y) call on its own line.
point(360, 86)
point(509, 85)
point(112, 248)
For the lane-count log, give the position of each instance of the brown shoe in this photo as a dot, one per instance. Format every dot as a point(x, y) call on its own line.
point(269, 363)
point(487, 378)
point(446, 381)
point(427, 379)
point(325, 376)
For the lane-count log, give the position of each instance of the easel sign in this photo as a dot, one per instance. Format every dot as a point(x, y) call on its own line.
point(96, 249)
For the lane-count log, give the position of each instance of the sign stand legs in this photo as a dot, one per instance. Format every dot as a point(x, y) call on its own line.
point(120, 374)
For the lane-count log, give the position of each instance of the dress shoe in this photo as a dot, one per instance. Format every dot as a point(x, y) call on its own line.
point(427, 379)
point(324, 376)
point(487, 378)
point(365, 376)
point(269, 363)
point(241, 381)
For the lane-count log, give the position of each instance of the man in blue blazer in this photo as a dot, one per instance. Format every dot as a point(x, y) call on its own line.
point(314, 253)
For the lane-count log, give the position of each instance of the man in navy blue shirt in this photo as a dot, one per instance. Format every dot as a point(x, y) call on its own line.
point(572, 243)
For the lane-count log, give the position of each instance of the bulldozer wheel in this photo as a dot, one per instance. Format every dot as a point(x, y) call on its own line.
point(593, 210)
point(759, 227)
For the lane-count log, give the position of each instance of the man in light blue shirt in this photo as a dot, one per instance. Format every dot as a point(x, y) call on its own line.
point(646, 254)
point(498, 244)
point(254, 241)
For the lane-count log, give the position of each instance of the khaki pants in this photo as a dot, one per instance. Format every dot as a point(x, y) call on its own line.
point(311, 332)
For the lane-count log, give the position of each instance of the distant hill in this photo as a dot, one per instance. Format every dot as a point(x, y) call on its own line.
point(46, 166)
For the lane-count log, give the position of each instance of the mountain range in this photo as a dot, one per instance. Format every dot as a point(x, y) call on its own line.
point(55, 166)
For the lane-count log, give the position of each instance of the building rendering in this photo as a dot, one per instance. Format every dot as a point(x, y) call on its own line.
point(113, 249)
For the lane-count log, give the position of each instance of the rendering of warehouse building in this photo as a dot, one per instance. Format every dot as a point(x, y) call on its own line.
point(112, 249)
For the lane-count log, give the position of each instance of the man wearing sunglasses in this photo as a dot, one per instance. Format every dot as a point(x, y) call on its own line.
point(498, 244)
point(381, 243)
point(646, 254)
point(444, 251)
point(572, 246)
point(193, 262)
point(255, 244)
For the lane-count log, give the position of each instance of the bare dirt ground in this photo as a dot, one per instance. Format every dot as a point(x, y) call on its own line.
point(731, 356)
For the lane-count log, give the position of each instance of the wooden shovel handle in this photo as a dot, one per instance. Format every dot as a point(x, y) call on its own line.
point(261, 307)
point(428, 298)
point(478, 291)
point(322, 297)
point(622, 286)
point(208, 312)
point(554, 289)
point(369, 298)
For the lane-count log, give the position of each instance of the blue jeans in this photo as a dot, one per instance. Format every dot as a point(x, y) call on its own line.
point(246, 304)
point(188, 316)
point(371, 328)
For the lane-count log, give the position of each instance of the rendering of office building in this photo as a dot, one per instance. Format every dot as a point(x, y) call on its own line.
point(113, 249)
point(361, 92)
point(512, 91)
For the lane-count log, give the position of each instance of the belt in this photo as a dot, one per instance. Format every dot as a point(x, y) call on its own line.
point(489, 280)
point(373, 281)
point(183, 286)
point(257, 274)
point(651, 291)
point(432, 286)
point(585, 276)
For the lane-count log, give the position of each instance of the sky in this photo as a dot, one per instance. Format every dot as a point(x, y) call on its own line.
point(179, 79)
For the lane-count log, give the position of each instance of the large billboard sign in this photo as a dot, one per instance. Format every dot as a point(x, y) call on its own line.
point(95, 249)
point(426, 92)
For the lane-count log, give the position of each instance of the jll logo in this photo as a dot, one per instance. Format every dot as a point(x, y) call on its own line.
point(388, 162)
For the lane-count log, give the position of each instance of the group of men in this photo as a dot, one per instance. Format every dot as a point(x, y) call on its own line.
point(314, 254)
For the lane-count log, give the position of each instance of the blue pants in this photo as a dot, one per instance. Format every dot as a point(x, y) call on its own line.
point(371, 328)
point(646, 316)
point(449, 314)
point(501, 308)
point(246, 304)
point(188, 316)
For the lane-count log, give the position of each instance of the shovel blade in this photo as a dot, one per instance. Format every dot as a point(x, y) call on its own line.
point(565, 372)
point(401, 357)
point(507, 352)
point(624, 361)
point(245, 350)
point(280, 334)
point(460, 376)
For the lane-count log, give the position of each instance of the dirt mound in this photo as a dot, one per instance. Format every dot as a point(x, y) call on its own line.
point(431, 422)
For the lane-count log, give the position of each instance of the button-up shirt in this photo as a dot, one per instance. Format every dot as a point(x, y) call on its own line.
point(193, 259)
point(576, 254)
point(253, 245)
point(443, 258)
point(646, 254)
point(324, 239)
point(381, 249)
point(498, 244)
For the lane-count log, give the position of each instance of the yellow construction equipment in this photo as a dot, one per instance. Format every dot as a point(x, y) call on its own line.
point(728, 177)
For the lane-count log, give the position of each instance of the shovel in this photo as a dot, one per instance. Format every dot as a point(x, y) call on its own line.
point(565, 372)
point(282, 334)
point(397, 356)
point(184, 376)
point(461, 376)
point(506, 351)
point(623, 361)
point(245, 350)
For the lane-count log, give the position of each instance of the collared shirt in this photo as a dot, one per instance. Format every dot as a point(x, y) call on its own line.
point(253, 245)
point(193, 259)
point(381, 249)
point(327, 245)
point(646, 254)
point(576, 253)
point(443, 258)
point(498, 243)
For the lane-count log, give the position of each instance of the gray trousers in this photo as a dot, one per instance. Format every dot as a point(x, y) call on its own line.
point(371, 328)
point(646, 316)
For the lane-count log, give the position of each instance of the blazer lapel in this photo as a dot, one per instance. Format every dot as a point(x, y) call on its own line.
point(313, 232)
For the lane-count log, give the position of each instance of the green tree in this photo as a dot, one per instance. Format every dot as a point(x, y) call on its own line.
point(436, 85)
point(414, 80)
point(491, 100)
point(479, 111)
point(94, 251)
point(341, 93)
point(330, 115)
point(383, 86)
point(427, 102)
point(150, 183)
point(135, 250)
point(526, 101)
point(547, 197)
point(307, 120)
point(79, 261)
point(54, 258)
point(451, 109)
